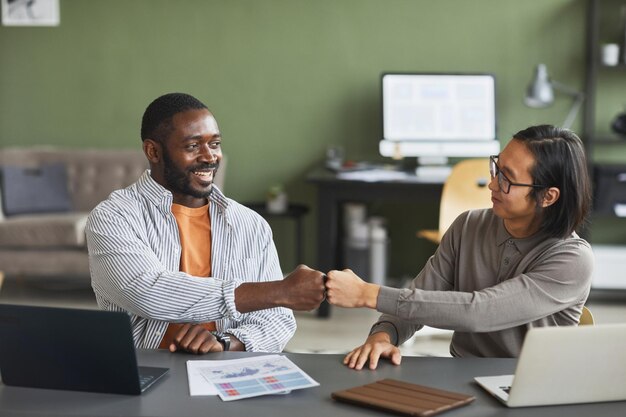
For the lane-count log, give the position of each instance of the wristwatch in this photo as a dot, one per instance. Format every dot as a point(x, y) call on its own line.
point(224, 339)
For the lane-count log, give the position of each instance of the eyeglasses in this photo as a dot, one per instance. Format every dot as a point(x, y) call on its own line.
point(503, 182)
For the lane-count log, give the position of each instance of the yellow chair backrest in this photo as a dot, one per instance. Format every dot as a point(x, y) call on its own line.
point(586, 318)
point(465, 189)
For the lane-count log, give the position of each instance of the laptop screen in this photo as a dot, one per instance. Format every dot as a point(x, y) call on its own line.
point(71, 349)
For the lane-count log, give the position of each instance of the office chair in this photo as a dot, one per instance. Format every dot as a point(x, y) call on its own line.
point(466, 188)
point(586, 318)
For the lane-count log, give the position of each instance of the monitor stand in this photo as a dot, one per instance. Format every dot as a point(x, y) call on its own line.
point(435, 167)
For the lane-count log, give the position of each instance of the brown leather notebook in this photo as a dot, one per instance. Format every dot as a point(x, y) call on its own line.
point(403, 398)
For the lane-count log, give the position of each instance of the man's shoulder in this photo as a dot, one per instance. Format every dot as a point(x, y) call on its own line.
point(476, 218)
point(472, 223)
point(483, 214)
point(127, 200)
point(570, 243)
point(244, 212)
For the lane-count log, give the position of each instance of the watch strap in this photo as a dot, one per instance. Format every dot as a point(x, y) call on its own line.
point(224, 339)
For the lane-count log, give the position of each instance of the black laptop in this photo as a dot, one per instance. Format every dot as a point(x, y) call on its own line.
point(71, 349)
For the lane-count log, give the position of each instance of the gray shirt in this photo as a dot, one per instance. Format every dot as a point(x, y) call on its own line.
point(490, 288)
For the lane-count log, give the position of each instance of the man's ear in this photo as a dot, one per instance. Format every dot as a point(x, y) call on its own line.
point(153, 150)
point(550, 197)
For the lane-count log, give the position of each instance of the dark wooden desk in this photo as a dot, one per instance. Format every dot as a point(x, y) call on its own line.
point(170, 396)
point(332, 192)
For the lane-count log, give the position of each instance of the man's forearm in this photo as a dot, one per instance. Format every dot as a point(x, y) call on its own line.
point(303, 290)
point(253, 296)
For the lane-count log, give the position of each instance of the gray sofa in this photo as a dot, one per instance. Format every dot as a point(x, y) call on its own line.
point(53, 244)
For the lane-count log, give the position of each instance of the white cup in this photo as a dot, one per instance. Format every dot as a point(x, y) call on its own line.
point(610, 54)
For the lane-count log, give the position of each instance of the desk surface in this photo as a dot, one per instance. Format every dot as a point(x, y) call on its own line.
point(170, 396)
point(321, 174)
point(293, 210)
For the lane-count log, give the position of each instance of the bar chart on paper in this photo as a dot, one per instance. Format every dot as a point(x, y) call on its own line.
point(244, 378)
point(272, 384)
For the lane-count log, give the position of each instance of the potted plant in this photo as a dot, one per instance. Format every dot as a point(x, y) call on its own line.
point(276, 199)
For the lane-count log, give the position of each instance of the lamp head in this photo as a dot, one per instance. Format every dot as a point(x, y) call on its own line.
point(540, 92)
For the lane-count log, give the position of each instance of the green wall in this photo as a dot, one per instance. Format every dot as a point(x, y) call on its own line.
point(285, 78)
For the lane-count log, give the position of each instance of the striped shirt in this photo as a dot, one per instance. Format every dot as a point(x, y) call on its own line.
point(134, 258)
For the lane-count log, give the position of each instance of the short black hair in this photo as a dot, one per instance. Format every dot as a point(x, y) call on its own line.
point(156, 122)
point(559, 162)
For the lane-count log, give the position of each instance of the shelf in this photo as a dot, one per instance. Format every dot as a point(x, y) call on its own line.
point(618, 67)
point(603, 25)
point(597, 14)
point(609, 141)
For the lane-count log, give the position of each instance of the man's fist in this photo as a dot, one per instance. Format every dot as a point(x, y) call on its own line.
point(303, 289)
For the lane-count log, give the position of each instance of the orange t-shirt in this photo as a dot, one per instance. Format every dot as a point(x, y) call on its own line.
point(194, 228)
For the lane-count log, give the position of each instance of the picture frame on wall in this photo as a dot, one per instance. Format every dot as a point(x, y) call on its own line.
point(30, 12)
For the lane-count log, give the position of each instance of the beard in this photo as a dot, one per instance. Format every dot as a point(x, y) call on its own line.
point(178, 180)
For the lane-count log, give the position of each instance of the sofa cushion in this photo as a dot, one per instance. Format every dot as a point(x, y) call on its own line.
point(43, 230)
point(35, 190)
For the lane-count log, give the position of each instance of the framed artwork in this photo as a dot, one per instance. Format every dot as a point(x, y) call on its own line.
point(30, 12)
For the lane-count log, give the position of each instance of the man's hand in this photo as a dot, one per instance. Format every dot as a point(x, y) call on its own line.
point(346, 289)
point(303, 289)
point(196, 339)
point(376, 346)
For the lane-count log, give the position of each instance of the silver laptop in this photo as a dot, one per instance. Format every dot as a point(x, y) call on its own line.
point(565, 365)
point(71, 349)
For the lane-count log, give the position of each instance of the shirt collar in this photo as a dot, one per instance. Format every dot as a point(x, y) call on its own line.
point(523, 245)
point(162, 197)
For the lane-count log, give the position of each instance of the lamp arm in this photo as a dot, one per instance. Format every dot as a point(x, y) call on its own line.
point(565, 89)
point(569, 120)
point(578, 96)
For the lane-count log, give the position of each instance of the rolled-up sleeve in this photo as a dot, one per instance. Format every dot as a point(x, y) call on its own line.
point(266, 330)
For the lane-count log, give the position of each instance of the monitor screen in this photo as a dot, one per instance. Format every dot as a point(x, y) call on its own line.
point(439, 114)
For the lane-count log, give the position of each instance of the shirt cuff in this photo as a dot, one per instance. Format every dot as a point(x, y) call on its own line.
point(387, 301)
point(230, 310)
point(386, 327)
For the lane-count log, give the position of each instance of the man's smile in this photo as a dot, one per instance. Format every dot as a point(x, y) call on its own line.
point(204, 173)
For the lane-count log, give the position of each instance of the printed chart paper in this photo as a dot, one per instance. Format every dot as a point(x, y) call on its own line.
point(249, 377)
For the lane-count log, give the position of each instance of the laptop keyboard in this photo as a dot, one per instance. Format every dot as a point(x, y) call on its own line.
point(506, 389)
point(145, 380)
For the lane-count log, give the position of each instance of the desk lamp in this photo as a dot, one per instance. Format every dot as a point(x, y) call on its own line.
point(540, 93)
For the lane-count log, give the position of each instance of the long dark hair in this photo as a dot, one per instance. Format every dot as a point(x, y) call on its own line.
point(559, 162)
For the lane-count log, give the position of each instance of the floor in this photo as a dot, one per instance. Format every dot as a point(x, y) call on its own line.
point(344, 330)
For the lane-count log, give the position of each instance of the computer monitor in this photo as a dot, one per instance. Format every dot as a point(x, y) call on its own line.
point(436, 116)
